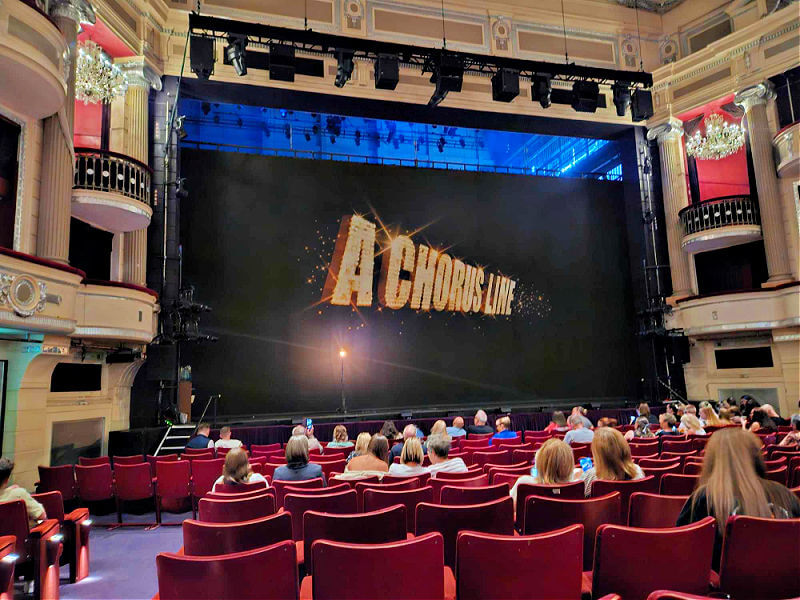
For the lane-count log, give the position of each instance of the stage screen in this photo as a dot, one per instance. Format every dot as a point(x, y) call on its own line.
point(439, 287)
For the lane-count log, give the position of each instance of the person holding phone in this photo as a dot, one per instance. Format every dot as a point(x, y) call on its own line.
point(308, 431)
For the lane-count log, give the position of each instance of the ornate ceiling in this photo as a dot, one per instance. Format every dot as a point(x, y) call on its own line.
point(656, 6)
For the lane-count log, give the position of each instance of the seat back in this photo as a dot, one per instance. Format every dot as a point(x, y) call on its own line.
point(494, 457)
point(198, 451)
point(657, 463)
point(673, 484)
point(659, 472)
point(218, 495)
point(340, 503)
point(230, 511)
point(57, 479)
point(239, 488)
point(204, 474)
point(208, 539)
point(601, 487)
point(376, 499)
point(198, 455)
point(692, 468)
point(265, 447)
point(134, 459)
point(411, 484)
point(94, 482)
point(133, 482)
point(490, 517)
point(338, 487)
point(654, 511)
point(573, 490)
point(545, 514)
point(780, 475)
point(618, 547)
point(422, 479)
point(438, 484)
point(523, 455)
point(86, 461)
point(644, 448)
point(280, 486)
point(377, 527)
point(330, 466)
point(14, 521)
point(455, 495)
point(174, 479)
point(268, 573)
point(7, 547)
point(677, 446)
point(469, 474)
point(417, 569)
point(549, 563)
point(508, 478)
point(152, 460)
point(53, 504)
point(760, 558)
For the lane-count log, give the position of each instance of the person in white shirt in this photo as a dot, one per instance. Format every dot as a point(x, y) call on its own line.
point(225, 440)
point(236, 470)
point(313, 443)
point(554, 464)
point(410, 460)
point(438, 450)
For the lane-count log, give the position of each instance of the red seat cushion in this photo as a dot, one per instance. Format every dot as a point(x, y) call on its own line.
point(586, 585)
point(300, 552)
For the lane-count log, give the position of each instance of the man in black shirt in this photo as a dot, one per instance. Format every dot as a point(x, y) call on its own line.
point(479, 424)
point(201, 440)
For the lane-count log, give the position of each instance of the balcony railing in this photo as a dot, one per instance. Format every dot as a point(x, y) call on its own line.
point(719, 212)
point(104, 171)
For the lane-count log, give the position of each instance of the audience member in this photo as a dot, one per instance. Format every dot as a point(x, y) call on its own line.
point(225, 440)
point(761, 421)
point(389, 431)
point(438, 451)
point(375, 460)
point(554, 464)
point(667, 423)
point(725, 417)
point(504, 431)
point(362, 444)
point(479, 424)
point(690, 425)
point(606, 422)
point(578, 433)
point(237, 470)
point(558, 423)
point(410, 459)
point(612, 460)
point(409, 431)
point(644, 411)
point(313, 443)
point(793, 437)
point(11, 492)
point(690, 409)
point(581, 412)
point(201, 439)
point(640, 430)
point(746, 405)
point(457, 429)
point(440, 427)
point(340, 439)
point(768, 410)
point(297, 467)
point(732, 482)
point(708, 416)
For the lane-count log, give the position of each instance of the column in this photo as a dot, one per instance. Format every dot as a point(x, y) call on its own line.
point(134, 142)
point(55, 201)
point(754, 100)
point(676, 197)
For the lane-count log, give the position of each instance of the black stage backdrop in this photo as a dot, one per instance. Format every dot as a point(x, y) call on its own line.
point(258, 235)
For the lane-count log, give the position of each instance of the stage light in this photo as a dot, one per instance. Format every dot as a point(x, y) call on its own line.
point(281, 62)
point(440, 144)
point(641, 105)
point(342, 353)
point(621, 92)
point(505, 85)
point(201, 56)
point(358, 137)
point(235, 53)
point(307, 136)
point(387, 71)
point(584, 96)
point(541, 89)
point(206, 108)
point(344, 67)
point(448, 76)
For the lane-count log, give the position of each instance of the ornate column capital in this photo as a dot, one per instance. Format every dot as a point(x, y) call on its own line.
point(672, 129)
point(754, 95)
point(139, 73)
point(79, 11)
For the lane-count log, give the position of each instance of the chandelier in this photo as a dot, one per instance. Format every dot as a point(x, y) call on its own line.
point(97, 79)
point(721, 139)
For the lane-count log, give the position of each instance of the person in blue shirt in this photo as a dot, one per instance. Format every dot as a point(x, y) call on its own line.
point(457, 430)
point(504, 432)
point(297, 467)
point(201, 440)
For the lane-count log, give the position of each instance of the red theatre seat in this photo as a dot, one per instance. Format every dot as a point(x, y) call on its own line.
point(207, 539)
point(376, 499)
point(57, 479)
point(7, 563)
point(340, 503)
point(231, 511)
point(240, 488)
point(268, 573)
point(133, 482)
point(95, 483)
point(678, 485)
point(602, 487)
point(204, 474)
point(134, 459)
point(280, 486)
point(455, 495)
point(264, 447)
point(654, 511)
point(564, 491)
point(174, 482)
point(438, 484)
point(85, 461)
point(75, 527)
point(152, 460)
point(411, 484)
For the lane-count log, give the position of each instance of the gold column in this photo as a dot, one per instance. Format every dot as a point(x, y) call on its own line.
point(754, 100)
point(676, 197)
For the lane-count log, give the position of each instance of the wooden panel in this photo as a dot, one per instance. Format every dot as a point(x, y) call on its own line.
point(121, 14)
point(431, 27)
point(28, 34)
point(318, 10)
point(531, 41)
point(791, 43)
point(701, 83)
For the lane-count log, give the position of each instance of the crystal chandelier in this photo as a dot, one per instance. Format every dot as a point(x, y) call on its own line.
point(97, 79)
point(721, 139)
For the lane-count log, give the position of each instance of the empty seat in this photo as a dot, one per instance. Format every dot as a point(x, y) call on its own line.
point(268, 573)
point(95, 483)
point(617, 548)
point(280, 486)
point(654, 510)
point(601, 487)
point(565, 491)
point(523, 455)
point(681, 456)
point(678, 485)
point(490, 517)
point(330, 466)
point(344, 502)
point(494, 457)
point(422, 478)
point(207, 539)
point(692, 468)
point(75, 528)
point(438, 484)
point(57, 479)
point(411, 484)
point(198, 451)
point(508, 478)
point(644, 448)
point(470, 474)
point(7, 564)
point(204, 474)
point(229, 511)
point(86, 461)
point(780, 475)
point(174, 482)
point(649, 463)
point(450, 494)
point(152, 460)
point(264, 447)
point(677, 446)
point(545, 566)
point(376, 499)
point(240, 488)
point(198, 455)
point(219, 495)
point(133, 482)
point(134, 459)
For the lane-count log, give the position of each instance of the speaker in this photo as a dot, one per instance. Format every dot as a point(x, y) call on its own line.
point(641, 105)
point(505, 85)
point(161, 361)
point(387, 72)
point(201, 56)
point(281, 62)
point(584, 96)
point(448, 74)
point(679, 348)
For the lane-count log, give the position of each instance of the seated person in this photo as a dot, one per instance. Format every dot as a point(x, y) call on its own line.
point(313, 443)
point(641, 430)
point(558, 423)
point(10, 492)
point(644, 411)
point(237, 470)
point(457, 429)
point(362, 444)
point(504, 431)
point(438, 451)
point(225, 440)
point(376, 458)
point(201, 439)
point(479, 423)
point(410, 460)
point(297, 467)
point(340, 439)
point(439, 427)
point(581, 412)
point(667, 422)
point(389, 431)
point(578, 434)
point(409, 431)
point(554, 463)
point(793, 437)
point(690, 425)
point(612, 460)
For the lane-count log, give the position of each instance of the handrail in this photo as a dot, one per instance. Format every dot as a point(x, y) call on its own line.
point(87, 150)
point(711, 201)
point(719, 212)
point(213, 397)
point(106, 171)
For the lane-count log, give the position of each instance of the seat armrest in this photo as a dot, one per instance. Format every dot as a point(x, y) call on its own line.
point(78, 515)
point(46, 529)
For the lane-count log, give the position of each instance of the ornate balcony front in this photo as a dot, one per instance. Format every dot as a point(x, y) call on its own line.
point(786, 145)
point(719, 223)
point(110, 310)
point(32, 52)
point(111, 191)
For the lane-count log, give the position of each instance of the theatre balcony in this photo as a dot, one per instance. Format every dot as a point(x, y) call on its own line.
point(110, 310)
point(720, 223)
point(32, 52)
point(787, 151)
point(111, 191)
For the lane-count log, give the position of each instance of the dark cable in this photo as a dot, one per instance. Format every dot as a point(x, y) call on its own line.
point(444, 37)
point(639, 34)
point(564, 24)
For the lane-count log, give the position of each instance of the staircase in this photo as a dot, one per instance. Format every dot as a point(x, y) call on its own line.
point(175, 439)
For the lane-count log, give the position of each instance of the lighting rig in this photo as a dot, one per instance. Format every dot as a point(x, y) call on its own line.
point(291, 52)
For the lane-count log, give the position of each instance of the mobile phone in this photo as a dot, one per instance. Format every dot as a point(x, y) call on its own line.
point(309, 424)
point(633, 419)
point(534, 472)
point(586, 463)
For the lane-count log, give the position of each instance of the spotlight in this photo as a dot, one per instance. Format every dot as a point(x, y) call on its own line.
point(462, 143)
point(206, 108)
point(281, 62)
point(622, 97)
point(315, 129)
point(235, 53)
point(344, 67)
point(333, 125)
point(358, 137)
point(308, 136)
point(541, 89)
point(505, 85)
point(448, 75)
point(584, 96)
point(641, 105)
point(342, 353)
point(440, 144)
point(287, 131)
point(201, 56)
point(387, 71)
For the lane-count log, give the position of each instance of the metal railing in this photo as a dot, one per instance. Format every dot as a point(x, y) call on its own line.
point(105, 171)
point(719, 212)
point(396, 162)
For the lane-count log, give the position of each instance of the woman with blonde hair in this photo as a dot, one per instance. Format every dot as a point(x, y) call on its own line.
point(691, 425)
point(709, 417)
point(340, 439)
point(237, 470)
point(725, 417)
point(732, 483)
point(612, 460)
point(410, 460)
point(554, 464)
point(439, 428)
point(362, 444)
